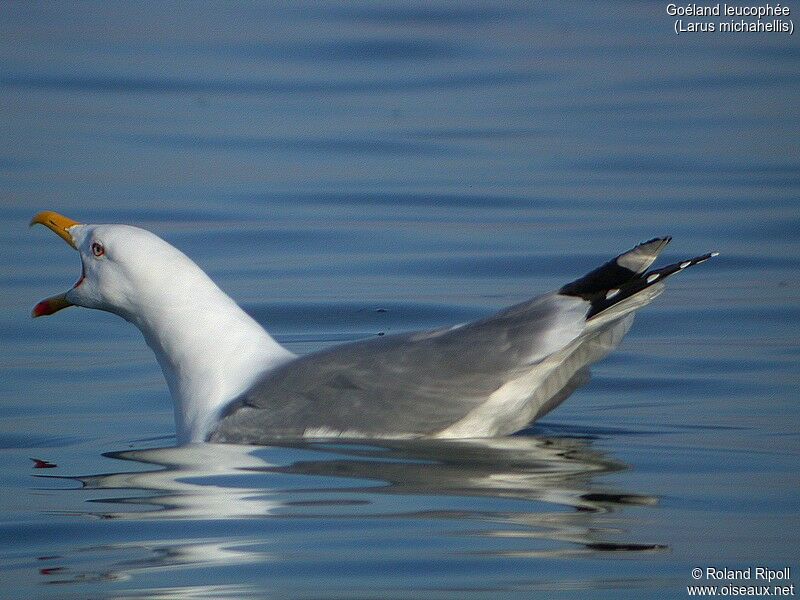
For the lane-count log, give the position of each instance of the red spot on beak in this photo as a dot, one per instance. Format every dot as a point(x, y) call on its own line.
point(42, 309)
point(43, 464)
point(51, 305)
point(45, 307)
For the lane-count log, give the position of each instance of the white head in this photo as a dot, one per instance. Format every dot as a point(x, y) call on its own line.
point(124, 269)
point(209, 349)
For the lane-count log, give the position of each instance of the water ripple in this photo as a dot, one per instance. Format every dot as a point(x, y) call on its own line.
point(174, 85)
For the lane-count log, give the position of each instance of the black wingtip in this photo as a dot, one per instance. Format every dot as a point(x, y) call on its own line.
point(617, 271)
point(664, 238)
point(599, 303)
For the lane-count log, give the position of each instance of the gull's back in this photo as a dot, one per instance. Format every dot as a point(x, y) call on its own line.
point(485, 378)
point(403, 385)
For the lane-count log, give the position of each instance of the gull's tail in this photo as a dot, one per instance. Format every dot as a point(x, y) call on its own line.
point(626, 275)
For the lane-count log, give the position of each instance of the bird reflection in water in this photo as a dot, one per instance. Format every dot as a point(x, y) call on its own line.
point(222, 502)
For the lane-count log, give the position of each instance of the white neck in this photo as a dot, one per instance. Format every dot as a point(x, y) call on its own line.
point(209, 349)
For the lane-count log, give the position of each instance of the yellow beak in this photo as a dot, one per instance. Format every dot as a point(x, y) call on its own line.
point(60, 225)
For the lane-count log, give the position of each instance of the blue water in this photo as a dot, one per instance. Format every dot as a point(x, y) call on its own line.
point(346, 169)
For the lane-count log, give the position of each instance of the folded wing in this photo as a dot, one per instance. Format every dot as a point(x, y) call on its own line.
point(489, 377)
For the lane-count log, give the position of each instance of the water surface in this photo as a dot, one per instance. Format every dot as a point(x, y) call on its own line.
point(345, 170)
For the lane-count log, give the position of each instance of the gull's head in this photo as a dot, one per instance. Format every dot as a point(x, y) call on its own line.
point(209, 349)
point(123, 268)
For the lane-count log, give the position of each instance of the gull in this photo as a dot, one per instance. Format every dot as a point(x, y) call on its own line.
point(231, 382)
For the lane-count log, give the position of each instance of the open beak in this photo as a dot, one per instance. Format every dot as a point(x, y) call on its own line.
point(60, 225)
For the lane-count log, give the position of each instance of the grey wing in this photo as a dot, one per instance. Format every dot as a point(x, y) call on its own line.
point(485, 378)
point(408, 384)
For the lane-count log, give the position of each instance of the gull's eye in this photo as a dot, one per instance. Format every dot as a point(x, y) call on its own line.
point(97, 249)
